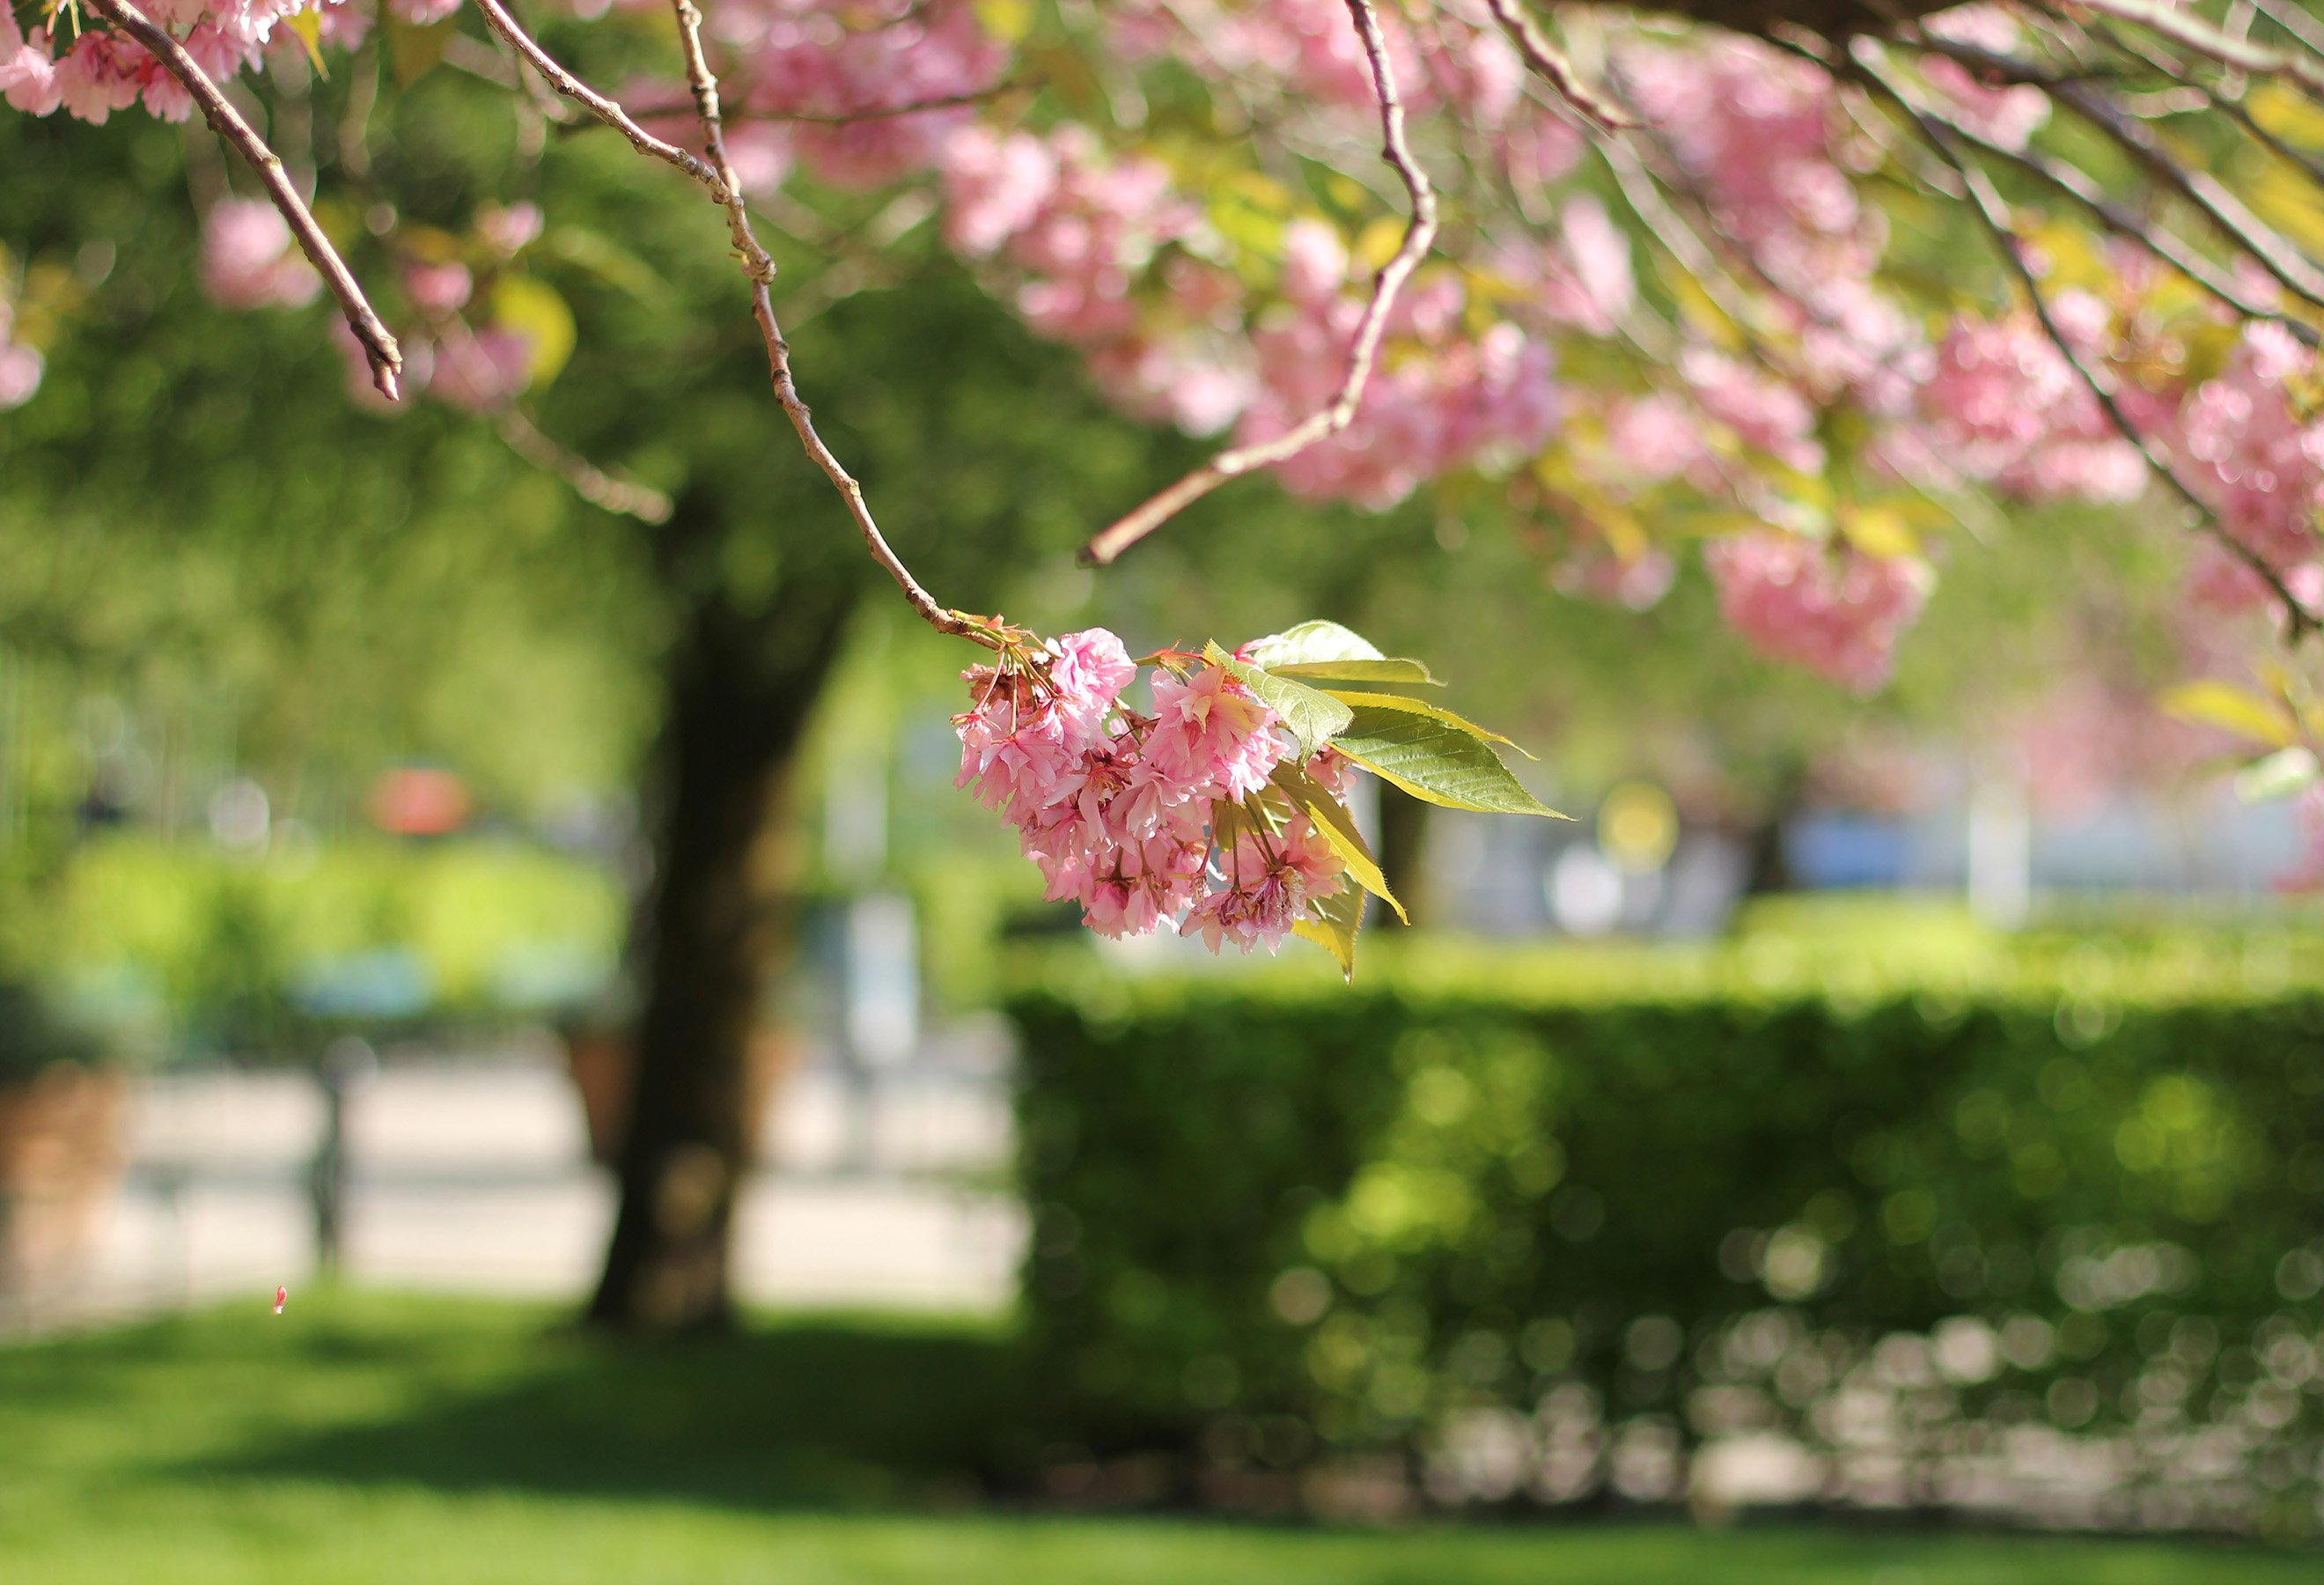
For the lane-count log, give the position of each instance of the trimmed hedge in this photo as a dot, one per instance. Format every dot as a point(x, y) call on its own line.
point(1553, 1224)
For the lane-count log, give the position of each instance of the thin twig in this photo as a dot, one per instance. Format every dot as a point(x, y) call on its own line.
point(1994, 211)
point(1419, 236)
point(1550, 64)
point(2234, 220)
point(379, 347)
point(761, 270)
point(2086, 190)
point(717, 177)
point(851, 117)
point(595, 484)
point(2184, 27)
point(498, 18)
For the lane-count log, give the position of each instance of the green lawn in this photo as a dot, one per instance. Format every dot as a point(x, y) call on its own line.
point(366, 1438)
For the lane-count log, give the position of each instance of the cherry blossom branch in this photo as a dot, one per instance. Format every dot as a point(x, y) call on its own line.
point(2233, 220)
point(386, 358)
point(1549, 64)
point(598, 487)
point(2085, 190)
point(1992, 210)
point(717, 176)
point(2185, 28)
point(761, 270)
point(512, 32)
point(850, 118)
point(1419, 236)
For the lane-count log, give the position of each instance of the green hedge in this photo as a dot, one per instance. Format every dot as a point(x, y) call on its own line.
point(198, 947)
point(1538, 1223)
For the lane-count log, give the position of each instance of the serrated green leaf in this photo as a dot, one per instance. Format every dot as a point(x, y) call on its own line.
point(1397, 701)
point(1336, 920)
point(1312, 716)
point(1310, 642)
point(1435, 761)
point(1331, 817)
point(1393, 669)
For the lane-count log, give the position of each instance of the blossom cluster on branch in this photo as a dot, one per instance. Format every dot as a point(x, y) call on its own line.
point(1222, 810)
point(1117, 807)
point(1623, 274)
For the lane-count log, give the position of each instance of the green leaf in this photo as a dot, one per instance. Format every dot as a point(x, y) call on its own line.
point(1391, 670)
point(414, 50)
point(1435, 760)
point(533, 309)
point(1308, 643)
point(1397, 701)
point(1337, 919)
point(1312, 715)
point(1331, 817)
point(2233, 709)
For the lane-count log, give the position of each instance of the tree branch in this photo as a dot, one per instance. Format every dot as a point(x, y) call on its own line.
point(2266, 246)
point(2085, 190)
point(1550, 64)
point(599, 488)
point(1994, 211)
point(717, 176)
point(379, 347)
point(2184, 27)
point(1419, 236)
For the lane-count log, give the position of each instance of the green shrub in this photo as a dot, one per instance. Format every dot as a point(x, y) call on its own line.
point(1613, 1196)
point(226, 946)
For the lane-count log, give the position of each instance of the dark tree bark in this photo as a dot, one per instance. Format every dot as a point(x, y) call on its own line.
point(740, 688)
point(1403, 858)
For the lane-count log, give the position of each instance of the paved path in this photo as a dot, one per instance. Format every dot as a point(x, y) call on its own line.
point(472, 1175)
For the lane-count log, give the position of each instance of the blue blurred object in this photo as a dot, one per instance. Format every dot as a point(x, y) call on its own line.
point(1837, 849)
point(395, 982)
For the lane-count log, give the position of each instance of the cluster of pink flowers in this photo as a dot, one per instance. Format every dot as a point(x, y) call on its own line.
point(1444, 395)
point(1832, 609)
point(1118, 807)
point(2257, 461)
point(249, 259)
point(463, 358)
point(2003, 406)
point(828, 82)
point(2006, 115)
point(91, 73)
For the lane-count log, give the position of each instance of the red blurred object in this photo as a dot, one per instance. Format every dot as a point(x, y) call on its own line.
point(282, 1297)
point(412, 801)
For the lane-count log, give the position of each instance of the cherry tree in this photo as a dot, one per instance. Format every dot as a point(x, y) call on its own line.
point(1820, 291)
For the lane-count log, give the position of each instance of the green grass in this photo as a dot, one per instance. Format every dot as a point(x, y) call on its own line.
point(374, 1439)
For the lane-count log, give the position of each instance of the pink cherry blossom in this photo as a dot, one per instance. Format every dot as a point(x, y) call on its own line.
point(249, 260)
point(483, 370)
point(1211, 735)
point(2005, 407)
point(28, 73)
point(1836, 611)
point(2254, 459)
point(438, 289)
point(1268, 881)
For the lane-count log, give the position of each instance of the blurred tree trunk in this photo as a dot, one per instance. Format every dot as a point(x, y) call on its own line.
point(739, 688)
point(1403, 858)
point(1768, 869)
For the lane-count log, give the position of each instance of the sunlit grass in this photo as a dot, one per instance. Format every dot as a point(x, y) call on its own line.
point(365, 1438)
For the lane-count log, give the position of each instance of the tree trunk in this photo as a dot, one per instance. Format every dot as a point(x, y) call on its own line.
point(1404, 858)
point(739, 689)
